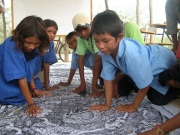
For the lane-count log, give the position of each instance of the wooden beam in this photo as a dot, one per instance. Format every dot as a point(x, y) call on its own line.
point(91, 10)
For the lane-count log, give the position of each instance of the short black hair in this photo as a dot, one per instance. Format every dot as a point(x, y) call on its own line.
point(70, 35)
point(107, 21)
point(50, 23)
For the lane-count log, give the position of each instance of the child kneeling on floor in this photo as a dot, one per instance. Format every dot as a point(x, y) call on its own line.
point(71, 40)
point(141, 63)
point(18, 55)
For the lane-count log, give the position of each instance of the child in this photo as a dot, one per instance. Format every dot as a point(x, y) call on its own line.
point(44, 61)
point(141, 63)
point(172, 12)
point(71, 40)
point(85, 41)
point(17, 63)
point(126, 84)
point(131, 30)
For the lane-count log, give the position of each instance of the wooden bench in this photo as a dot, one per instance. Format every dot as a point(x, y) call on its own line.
point(159, 43)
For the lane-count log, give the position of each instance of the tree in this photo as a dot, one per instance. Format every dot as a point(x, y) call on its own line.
point(5, 24)
point(106, 4)
point(137, 13)
point(151, 17)
point(151, 11)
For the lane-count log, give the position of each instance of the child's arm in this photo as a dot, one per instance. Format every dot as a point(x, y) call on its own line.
point(46, 78)
point(136, 102)
point(108, 95)
point(82, 86)
point(71, 75)
point(33, 109)
point(96, 74)
point(118, 77)
point(35, 91)
point(166, 127)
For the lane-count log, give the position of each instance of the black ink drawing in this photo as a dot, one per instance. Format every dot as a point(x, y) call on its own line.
point(66, 113)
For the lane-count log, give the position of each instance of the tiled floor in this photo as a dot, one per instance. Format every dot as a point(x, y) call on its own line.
point(176, 102)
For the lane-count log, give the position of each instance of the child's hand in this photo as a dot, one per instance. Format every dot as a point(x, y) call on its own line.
point(150, 132)
point(42, 93)
point(125, 108)
point(33, 110)
point(95, 93)
point(64, 83)
point(99, 108)
point(100, 93)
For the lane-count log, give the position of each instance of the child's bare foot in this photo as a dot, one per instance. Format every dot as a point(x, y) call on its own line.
point(64, 84)
point(102, 93)
point(99, 86)
point(53, 88)
point(79, 89)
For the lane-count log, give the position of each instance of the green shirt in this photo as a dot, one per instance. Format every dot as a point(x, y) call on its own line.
point(83, 45)
point(131, 30)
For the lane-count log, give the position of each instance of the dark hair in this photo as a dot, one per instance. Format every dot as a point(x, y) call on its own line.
point(50, 23)
point(31, 26)
point(70, 35)
point(107, 21)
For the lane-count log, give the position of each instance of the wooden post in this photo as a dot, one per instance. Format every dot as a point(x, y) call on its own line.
point(66, 59)
point(91, 9)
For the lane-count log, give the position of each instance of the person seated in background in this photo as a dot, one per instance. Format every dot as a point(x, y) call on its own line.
point(71, 40)
point(172, 11)
point(18, 55)
point(143, 64)
point(44, 61)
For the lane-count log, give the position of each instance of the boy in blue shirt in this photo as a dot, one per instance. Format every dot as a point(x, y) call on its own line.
point(71, 40)
point(141, 63)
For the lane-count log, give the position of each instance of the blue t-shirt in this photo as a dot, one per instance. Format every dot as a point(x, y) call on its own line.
point(48, 57)
point(88, 60)
point(142, 63)
point(14, 65)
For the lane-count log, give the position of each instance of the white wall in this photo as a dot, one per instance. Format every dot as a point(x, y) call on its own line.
point(61, 11)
